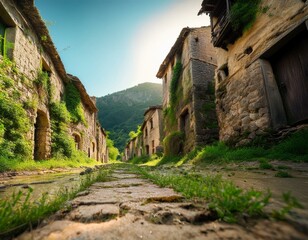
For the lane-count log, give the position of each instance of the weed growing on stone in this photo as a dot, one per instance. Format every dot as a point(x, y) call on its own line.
point(223, 197)
point(18, 212)
point(264, 164)
point(73, 104)
point(283, 174)
point(290, 203)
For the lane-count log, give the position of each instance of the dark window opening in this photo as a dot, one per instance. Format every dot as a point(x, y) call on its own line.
point(153, 147)
point(77, 140)
point(185, 122)
point(93, 147)
point(147, 149)
point(45, 67)
point(40, 136)
point(248, 50)
point(151, 123)
point(225, 69)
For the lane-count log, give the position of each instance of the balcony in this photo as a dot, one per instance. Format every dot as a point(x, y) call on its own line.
point(222, 32)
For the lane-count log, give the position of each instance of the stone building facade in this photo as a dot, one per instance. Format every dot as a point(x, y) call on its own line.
point(261, 78)
point(193, 108)
point(149, 142)
point(133, 149)
point(31, 49)
point(152, 130)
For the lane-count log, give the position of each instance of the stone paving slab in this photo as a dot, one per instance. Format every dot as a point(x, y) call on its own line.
point(129, 207)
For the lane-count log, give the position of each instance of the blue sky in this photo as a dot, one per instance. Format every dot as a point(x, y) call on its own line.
point(112, 45)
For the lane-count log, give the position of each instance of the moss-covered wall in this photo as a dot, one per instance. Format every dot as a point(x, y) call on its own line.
point(41, 92)
point(187, 113)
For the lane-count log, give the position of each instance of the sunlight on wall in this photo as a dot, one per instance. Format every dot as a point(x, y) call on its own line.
point(157, 35)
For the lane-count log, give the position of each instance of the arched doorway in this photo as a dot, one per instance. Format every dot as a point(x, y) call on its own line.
point(41, 127)
point(77, 140)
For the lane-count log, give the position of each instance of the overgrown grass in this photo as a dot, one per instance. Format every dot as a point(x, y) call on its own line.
point(293, 148)
point(18, 212)
point(283, 174)
point(264, 164)
point(226, 200)
point(140, 160)
point(78, 159)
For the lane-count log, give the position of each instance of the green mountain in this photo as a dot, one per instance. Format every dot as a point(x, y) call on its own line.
point(121, 112)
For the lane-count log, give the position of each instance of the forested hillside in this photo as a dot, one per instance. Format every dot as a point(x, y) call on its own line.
point(121, 112)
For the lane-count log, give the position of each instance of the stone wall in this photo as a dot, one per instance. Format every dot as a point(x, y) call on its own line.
point(194, 112)
point(30, 53)
point(152, 131)
point(248, 100)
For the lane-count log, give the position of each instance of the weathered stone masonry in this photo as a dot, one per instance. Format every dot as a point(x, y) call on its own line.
point(150, 140)
point(33, 51)
point(260, 84)
point(194, 111)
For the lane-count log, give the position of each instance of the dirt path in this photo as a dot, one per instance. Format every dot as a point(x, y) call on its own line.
point(128, 207)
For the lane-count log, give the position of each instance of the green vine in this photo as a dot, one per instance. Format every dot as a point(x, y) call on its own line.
point(173, 143)
point(5, 45)
point(73, 104)
point(243, 14)
point(42, 79)
point(133, 134)
point(177, 70)
point(14, 121)
point(62, 141)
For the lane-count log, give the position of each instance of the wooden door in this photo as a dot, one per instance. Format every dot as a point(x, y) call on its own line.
point(290, 66)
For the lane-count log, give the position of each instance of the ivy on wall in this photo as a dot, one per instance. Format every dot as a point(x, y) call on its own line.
point(62, 143)
point(173, 143)
point(169, 112)
point(14, 121)
point(177, 70)
point(73, 104)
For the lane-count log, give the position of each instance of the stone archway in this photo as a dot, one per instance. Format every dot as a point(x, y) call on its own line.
point(77, 140)
point(41, 128)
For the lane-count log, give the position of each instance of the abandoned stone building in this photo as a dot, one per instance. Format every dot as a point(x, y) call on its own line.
point(25, 41)
point(262, 77)
point(150, 141)
point(133, 148)
point(187, 73)
point(152, 130)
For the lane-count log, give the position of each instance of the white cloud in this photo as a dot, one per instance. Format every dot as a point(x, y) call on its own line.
point(156, 36)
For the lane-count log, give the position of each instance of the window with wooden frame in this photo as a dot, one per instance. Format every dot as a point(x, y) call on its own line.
point(7, 33)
